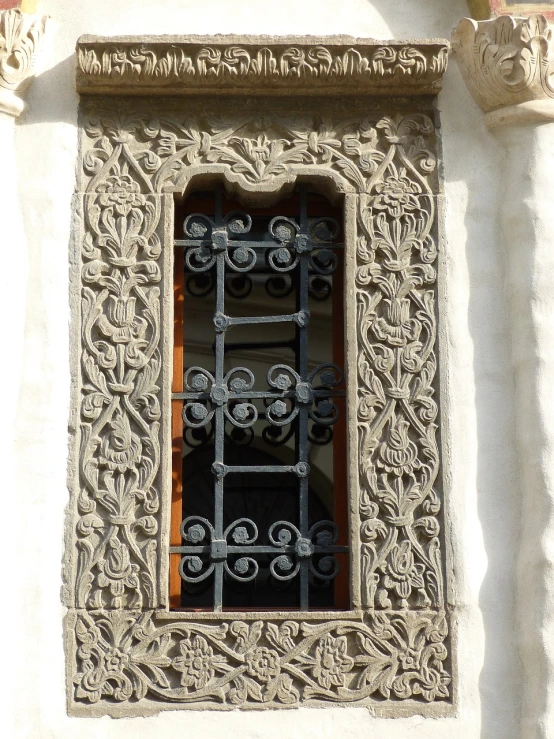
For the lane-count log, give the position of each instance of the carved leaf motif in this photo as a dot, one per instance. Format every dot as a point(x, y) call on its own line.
point(126, 656)
point(120, 448)
point(396, 372)
point(161, 66)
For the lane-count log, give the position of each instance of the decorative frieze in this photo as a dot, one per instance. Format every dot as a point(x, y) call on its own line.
point(508, 66)
point(128, 656)
point(262, 65)
point(20, 37)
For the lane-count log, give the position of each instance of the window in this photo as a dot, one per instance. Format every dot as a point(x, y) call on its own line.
point(259, 290)
point(293, 178)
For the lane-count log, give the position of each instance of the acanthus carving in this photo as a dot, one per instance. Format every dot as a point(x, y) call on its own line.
point(399, 651)
point(184, 67)
point(125, 656)
point(20, 36)
point(506, 61)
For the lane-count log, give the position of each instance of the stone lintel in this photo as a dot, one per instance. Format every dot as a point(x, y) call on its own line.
point(508, 66)
point(258, 65)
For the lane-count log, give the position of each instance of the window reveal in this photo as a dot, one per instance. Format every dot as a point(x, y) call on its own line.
point(249, 530)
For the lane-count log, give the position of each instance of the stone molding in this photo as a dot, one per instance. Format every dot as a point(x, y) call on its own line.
point(508, 66)
point(263, 65)
point(20, 37)
point(127, 653)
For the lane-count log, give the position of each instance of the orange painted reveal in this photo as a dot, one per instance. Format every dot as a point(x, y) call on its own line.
point(519, 7)
point(7, 4)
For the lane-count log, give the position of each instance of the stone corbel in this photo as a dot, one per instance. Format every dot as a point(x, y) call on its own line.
point(20, 37)
point(508, 66)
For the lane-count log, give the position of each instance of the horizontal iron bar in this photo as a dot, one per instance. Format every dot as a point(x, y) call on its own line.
point(289, 317)
point(229, 469)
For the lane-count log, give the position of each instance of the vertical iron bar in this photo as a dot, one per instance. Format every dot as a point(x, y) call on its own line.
point(303, 419)
point(219, 439)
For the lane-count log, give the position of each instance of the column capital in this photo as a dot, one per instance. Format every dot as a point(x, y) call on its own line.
point(508, 66)
point(20, 37)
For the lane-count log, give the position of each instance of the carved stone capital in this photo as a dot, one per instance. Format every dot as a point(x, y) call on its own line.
point(508, 66)
point(259, 65)
point(20, 36)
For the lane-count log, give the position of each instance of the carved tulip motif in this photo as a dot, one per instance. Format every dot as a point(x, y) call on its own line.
point(398, 454)
point(121, 447)
point(396, 327)
point(117, 573)
point(402, 573)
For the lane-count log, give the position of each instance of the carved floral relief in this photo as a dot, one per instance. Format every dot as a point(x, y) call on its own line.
point(125, 656)
point(398, 650)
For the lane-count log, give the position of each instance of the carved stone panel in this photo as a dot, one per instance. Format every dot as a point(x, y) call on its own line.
point(127, 653)
point(230, 65)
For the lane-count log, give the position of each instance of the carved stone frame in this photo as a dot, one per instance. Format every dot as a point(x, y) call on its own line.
point(358, 122)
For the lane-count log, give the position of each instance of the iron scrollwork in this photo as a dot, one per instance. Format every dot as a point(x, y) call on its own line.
point(295, 398)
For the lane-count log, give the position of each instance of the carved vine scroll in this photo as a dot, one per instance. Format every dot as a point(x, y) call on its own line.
point(126, 651)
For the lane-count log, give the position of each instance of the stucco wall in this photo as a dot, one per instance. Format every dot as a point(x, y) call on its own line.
point(483, 499)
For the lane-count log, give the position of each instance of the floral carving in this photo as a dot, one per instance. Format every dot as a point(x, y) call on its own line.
point(132, 155)
point(196, 662)
point(399, 457)
point(125, 656)
point(120, 362)
point(255, 151)
point(331, 661)
point(121, 193)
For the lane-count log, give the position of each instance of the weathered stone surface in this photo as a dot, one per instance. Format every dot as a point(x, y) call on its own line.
point(264, 65)
point(508, 66)
point(128, 655)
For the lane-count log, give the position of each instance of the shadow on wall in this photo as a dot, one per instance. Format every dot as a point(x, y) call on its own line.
point(425, 19)
point(472, 161)
point(52, 97)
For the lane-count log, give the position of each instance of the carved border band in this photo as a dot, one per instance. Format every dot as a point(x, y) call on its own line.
point(127, 654)
point(262, 66)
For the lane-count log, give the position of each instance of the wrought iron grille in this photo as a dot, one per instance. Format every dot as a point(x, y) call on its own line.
point(295, 255)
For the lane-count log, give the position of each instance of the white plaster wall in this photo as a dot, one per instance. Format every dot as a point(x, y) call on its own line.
point(483, 500)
